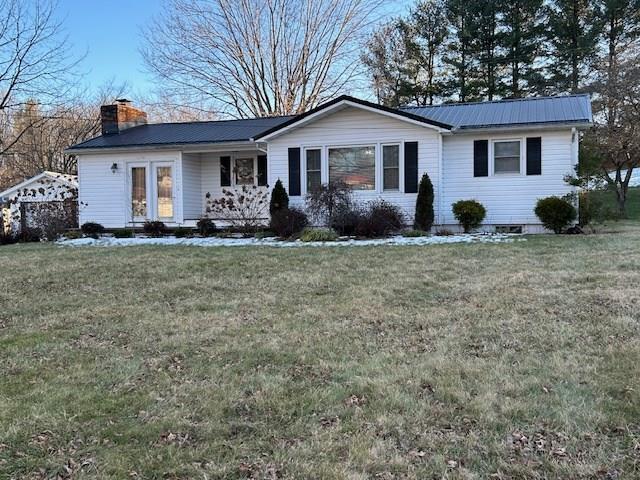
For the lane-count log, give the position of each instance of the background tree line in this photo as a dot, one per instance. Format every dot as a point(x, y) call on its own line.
point(460, 50)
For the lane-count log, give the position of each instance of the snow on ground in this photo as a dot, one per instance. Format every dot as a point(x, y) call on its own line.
point(273, 242)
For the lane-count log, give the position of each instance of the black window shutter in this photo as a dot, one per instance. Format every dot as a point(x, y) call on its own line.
point(225, 171)
point(534, 156)
point(481, 158)
point(410, 167)
point(262, 170)
point(294, 172)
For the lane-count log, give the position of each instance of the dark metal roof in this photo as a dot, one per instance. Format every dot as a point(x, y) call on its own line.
point(569, 109)
point(190, 133)
point(502, 113)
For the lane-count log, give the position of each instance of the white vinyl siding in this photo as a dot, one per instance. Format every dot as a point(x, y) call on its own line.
point(356, 127)
point(104, 196)
point(509, 198)
point(192, 188)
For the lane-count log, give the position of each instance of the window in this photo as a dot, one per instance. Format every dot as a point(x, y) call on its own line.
point(139, 191)
point(165, 192)
point(355, 166)
point(506, 157)
point(314, 178)
point(244, 171)
point(391, 167)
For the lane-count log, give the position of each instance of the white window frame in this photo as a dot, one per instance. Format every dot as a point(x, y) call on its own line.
point(492, 156)
point(324, 163)
point(303, 167)
point(151, 177)
point(149, 195)
point(400, 146)
point(237, 156)
point(154, 189)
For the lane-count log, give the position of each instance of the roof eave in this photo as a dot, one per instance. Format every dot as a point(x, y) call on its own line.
point(581, 125)
point(184, 146)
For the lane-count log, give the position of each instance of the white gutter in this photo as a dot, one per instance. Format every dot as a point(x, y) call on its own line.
point(185, 147)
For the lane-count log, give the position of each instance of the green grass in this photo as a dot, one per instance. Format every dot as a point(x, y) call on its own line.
point(456, 361)
point(608, 198)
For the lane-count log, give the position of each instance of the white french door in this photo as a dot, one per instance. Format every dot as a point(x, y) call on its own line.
point(151, 191)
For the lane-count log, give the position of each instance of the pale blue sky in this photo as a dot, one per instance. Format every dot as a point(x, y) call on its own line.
point(109, 32)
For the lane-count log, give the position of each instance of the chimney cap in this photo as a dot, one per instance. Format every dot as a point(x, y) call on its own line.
point(123, 101)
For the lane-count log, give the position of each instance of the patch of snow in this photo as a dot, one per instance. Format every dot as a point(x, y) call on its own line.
point(274, 242)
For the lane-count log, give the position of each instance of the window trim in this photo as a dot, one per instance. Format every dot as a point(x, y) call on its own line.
point(303, 167)
point(492, 169)
point(400, 146)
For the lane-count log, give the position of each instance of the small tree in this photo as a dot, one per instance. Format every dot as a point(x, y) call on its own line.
point(424, 205)
point(555, 213)
point(323, 201)
point(469, 213)
point(279, 198)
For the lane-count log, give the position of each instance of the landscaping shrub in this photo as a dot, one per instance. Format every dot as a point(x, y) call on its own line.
point(469, 214)
point(325, 200)
point(279, 198)
point(154, 228)
point(183, 232)
point(206, 227)
point(8, 238)
point(414, 233)
point(555, 213)
point(318, 235)
point(380, 218)
point(424, 205)
point(288, 222)
point(345, 219)
point(28, 235)
point(444, 232)
point(92, 229)
point(244, 208)
point(73, 234)
point(123, 233)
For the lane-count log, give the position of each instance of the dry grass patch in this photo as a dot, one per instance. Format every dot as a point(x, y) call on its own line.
point(462, 361)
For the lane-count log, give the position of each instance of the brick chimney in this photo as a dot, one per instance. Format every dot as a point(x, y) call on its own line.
point(120, 116)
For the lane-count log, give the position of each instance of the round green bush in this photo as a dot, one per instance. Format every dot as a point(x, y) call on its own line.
point(469, 214)
point(555, 213)
point(318, 235)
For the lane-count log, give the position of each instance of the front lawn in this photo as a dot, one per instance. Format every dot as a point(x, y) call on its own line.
point(516, 360)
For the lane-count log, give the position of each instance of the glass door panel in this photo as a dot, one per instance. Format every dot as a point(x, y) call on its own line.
point(164, 187)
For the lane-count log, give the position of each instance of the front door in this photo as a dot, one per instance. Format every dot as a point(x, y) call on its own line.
point(152, 191)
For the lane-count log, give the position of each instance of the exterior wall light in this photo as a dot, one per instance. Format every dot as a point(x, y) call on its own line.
point(114, 168)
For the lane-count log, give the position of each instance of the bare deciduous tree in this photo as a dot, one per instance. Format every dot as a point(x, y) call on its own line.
point(259, 57)
point(615, 138)
point(35, 63)
point(42, 136)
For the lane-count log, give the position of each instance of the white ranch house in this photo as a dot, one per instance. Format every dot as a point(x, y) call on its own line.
point(505, 154)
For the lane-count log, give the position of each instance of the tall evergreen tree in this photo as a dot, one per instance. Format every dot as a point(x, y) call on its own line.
point(459, 57)
point(488, 39)
point(522, 21)
point(430, 25)
point(573, 36)
point(385, 58)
